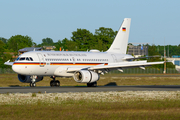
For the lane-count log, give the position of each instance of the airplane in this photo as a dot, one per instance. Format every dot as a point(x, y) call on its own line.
point(84, 67)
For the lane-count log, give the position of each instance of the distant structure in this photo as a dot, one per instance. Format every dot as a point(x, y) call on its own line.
point(137, 50)
point(49, 48)
point(27, 49)
point(175, 59)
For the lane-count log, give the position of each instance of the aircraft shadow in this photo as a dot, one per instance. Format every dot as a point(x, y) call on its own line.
point(111, 84)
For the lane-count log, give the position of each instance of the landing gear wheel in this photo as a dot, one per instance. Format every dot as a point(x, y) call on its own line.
point(57, 83)
point(94, 84)
point(54, 83)
point(32, 84)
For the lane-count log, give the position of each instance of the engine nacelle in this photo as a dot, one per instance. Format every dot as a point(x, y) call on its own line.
point(28, 78)
point(85, 76)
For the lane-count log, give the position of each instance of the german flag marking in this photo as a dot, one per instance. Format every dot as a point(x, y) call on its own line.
point(124, 29)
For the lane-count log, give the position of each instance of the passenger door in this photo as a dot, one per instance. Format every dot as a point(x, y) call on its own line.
point(114, 57)
point(41, 60)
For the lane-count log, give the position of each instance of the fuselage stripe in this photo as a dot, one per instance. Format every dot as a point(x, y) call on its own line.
point(60, 63)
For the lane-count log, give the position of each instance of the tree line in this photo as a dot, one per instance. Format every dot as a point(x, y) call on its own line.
point(81, 40)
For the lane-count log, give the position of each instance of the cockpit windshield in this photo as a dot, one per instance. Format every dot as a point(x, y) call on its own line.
point(24, 59)
point(31, 59)
point(17, 59)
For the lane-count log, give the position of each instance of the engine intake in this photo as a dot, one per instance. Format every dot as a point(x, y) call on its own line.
point(85, 76)
point(28, 78)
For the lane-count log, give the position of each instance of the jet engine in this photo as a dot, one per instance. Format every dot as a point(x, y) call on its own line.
point(85, 76)
point(28, 78)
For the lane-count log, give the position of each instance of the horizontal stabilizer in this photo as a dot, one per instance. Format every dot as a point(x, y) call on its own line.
point(141, 57)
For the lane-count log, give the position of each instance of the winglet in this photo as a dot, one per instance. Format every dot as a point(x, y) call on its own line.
point(9, 63)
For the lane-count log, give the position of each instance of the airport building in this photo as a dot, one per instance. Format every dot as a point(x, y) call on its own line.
point(27, 49)
point(176, 61)
point(137, 50)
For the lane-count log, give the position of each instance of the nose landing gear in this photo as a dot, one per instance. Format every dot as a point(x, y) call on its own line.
point(32, 84)
point(54, 82)
point(33, 81)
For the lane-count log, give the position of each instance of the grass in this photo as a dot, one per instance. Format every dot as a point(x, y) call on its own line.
point(86, 106)
point(88, 110)
point(7, 80)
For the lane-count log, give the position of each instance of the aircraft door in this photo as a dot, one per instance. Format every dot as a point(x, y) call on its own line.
point(114, 57)
point(41, 60)
point(73, 59)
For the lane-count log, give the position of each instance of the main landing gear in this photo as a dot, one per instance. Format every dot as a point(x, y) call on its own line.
point(54, 82)
point(94, 84)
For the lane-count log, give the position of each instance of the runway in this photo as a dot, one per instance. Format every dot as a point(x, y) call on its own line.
point(63, 89)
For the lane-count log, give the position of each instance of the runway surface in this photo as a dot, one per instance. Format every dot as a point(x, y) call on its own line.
point(63, 89)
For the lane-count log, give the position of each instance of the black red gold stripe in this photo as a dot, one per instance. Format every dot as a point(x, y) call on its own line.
point(17, 63)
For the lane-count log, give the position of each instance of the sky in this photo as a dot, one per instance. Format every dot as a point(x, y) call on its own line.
point(152, 21)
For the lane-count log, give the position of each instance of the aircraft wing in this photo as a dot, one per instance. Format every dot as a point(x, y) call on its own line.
point(131, 64)
point(9, 63)
point(125, 65)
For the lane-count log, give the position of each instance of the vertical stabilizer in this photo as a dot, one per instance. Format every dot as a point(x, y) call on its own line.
point(120, 42)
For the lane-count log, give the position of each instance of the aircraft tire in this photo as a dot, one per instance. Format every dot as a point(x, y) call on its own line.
point(57, 83)
point(52, 83)
point(94, 84)
point(32, 84)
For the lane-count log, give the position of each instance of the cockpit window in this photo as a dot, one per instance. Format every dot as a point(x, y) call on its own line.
point(31, 59)
point(17, 59)
point(23, 58)
point(27, 59)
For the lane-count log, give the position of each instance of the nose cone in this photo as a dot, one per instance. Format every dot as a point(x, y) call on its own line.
point(16, 68)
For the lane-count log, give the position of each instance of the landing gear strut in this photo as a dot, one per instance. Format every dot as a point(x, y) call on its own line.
point(94, 84)
point(54, 82)
point(33, 81)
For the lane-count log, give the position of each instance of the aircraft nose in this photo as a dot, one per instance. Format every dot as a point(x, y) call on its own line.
point(16, 68)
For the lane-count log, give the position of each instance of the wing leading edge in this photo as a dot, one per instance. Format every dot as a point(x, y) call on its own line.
point(121, 65)
point(125, 65)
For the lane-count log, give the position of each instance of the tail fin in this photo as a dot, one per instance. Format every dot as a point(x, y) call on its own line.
point(120, 42)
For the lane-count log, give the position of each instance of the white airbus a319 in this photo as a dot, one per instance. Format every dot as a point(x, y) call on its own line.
point(84, 67)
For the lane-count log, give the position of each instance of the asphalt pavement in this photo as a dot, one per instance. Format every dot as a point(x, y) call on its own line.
point(63, 89)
